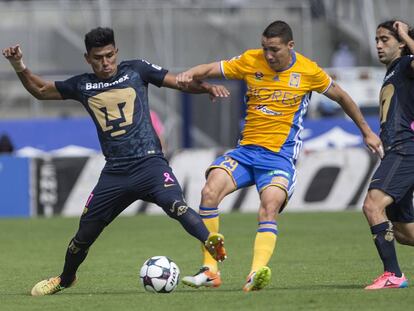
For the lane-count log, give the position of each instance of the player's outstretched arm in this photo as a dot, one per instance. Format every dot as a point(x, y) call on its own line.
point(196, 87)
point(34, 84)
point(200, 72)
point(373, 142)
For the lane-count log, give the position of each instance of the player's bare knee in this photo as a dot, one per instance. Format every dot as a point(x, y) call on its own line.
point(369, 208)
point(210, 195)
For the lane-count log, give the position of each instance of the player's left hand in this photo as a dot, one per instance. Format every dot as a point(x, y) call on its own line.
point(184, 79)
point(374, 144)
point(218, 91)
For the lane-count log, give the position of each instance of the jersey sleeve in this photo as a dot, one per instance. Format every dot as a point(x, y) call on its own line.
point(408, 59)
point(151, 73)
point(321, 81)
point(234, 68)
point(68, 89)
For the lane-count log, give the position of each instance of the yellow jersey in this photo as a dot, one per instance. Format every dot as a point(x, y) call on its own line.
point(276, 100)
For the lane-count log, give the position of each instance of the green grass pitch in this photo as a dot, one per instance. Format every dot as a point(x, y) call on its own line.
point(321, 262)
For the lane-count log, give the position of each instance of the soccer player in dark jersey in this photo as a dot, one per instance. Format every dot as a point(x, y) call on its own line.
point(116, 97)
point(388, 205)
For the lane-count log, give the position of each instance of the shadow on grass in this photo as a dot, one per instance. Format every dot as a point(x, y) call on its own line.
point(322, 287)
point(186, 291)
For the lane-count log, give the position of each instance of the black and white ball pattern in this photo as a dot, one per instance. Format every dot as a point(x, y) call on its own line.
point(159, 274)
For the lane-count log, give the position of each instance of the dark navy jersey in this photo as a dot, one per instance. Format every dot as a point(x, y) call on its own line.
point(397, 107)
point(119, 108)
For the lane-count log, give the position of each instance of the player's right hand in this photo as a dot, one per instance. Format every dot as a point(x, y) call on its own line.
point(402, 29)
point(15, 56)
point(218, 91)
point(13, 53)
point(374, 144)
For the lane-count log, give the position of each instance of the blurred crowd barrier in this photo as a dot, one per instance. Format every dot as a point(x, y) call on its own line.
point(55, 166)
point(328, 180)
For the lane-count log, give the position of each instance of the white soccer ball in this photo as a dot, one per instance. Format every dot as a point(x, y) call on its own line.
point(159, 274)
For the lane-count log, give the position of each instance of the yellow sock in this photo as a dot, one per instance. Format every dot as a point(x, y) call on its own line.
point(264, 244)
point(210, 218)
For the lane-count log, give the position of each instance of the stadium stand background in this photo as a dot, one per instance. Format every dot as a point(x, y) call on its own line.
point(177, 34)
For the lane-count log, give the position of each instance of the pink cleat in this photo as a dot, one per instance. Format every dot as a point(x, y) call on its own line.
point(389, 280)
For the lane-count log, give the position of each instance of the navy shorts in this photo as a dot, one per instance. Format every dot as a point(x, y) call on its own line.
point(121, 183)
point(395, 177)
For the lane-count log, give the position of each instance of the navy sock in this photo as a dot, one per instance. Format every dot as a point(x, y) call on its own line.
point(194, 225)
point(384, 241)
point(75, 255)
point(78, 248)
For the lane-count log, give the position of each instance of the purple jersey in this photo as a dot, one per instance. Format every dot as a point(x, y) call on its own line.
point(397, 107)
point(119, 108)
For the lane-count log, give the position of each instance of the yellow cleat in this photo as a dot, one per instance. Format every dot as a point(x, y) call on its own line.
point(258, 279)
point(49, 287)
point(215, 246)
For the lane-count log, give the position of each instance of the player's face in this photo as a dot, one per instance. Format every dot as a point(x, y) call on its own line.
point(103, 60)
point(277, 53)
point(388, 47)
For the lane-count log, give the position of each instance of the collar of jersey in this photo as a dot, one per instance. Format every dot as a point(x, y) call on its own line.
point(292, 62)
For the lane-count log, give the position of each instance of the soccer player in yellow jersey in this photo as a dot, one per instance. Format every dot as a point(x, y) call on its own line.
point(279, 85)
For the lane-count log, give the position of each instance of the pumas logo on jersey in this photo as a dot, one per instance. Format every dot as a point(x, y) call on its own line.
point(258, 75)
point(276, 78)
point(101, 85)
point(294, 80)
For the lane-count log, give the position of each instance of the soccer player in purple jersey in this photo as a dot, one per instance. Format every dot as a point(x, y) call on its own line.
point(388, 206)
point(116, 97)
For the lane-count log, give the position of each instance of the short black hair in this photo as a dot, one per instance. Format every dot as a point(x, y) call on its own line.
point(99, 37)
point(279, 29)
point(389, 25)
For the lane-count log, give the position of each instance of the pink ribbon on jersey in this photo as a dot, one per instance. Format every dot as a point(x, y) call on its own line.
point(412, 125)
point(168, 177)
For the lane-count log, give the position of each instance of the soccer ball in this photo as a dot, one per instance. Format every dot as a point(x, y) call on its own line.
point(159, 274)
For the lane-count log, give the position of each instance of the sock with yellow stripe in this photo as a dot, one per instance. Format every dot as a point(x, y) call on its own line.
point(210, 218)
point(264, 244)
